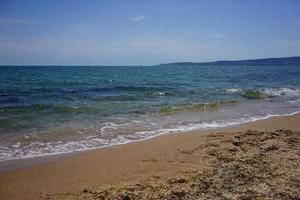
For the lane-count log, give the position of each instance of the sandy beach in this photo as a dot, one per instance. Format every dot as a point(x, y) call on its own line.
point(139, 100)
point(169, 163)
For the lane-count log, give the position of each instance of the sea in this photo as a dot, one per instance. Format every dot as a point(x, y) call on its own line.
point(47, 110)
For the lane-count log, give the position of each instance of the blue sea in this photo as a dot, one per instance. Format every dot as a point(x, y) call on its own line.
point(60, 109)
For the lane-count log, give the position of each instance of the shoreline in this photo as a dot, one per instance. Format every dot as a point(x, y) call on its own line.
point(140, 160)
point(14, 164)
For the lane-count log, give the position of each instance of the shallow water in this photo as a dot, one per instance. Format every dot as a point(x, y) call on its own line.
point(50, 110)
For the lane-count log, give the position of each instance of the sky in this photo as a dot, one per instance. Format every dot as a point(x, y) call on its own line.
point(143, 32)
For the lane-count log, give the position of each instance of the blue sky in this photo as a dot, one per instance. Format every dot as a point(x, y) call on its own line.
point(140, 32)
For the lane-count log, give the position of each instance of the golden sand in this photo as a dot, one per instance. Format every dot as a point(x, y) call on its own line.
point(177, 166)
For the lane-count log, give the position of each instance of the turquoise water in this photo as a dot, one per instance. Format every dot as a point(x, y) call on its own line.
point(50, 110)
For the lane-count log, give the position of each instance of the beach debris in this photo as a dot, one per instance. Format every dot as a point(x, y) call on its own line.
point(268, 167)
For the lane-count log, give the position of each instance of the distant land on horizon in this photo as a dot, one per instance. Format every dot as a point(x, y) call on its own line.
point(284, 61)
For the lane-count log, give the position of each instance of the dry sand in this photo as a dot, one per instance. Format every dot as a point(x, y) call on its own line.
point(154, 168)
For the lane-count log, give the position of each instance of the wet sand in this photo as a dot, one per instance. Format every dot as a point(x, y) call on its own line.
point(156, 161)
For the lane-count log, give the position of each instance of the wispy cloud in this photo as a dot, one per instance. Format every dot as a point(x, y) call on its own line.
point(217, 36)
point(192, 33)
point(138, 18)
point(10, 21)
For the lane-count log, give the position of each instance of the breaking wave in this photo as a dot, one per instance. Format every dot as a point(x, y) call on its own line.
point(264, 93)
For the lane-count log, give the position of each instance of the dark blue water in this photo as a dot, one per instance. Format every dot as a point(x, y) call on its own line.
point(49, 110)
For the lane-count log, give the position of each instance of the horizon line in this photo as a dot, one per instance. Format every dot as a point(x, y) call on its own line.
point(137, 65)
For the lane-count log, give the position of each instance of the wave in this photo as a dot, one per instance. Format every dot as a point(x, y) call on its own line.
point(233, 90)
point(160, 93)
point(252, 94)
point(282, 92)
point(264, 93)
point(208, 106)
point(37, 148)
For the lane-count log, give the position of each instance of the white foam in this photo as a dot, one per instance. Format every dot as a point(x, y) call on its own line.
point(159, 93)
point(282, 92)
point(37, 149)
point(270, 91)
point(111, 125)
point(233, 90)
point(295, 102)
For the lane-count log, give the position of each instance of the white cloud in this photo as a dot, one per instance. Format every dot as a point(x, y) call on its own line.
point(217, 36)
point(138, 18)
point(10, 21)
